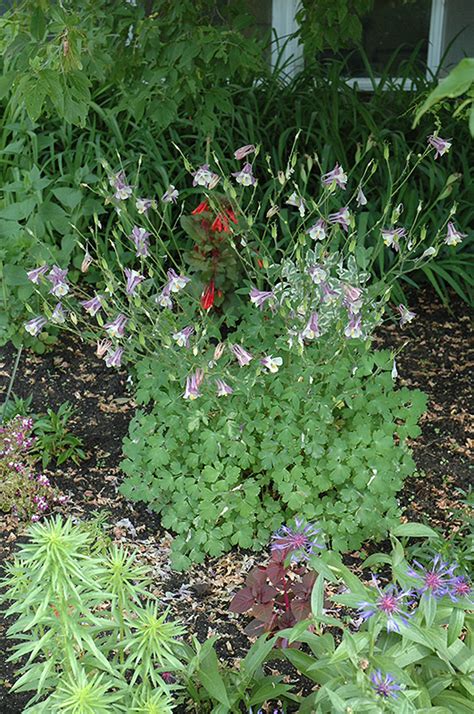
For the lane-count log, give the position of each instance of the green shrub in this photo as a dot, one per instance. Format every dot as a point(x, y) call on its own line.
point(312, 442)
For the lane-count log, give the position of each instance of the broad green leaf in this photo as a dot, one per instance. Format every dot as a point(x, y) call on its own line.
point(414, 530)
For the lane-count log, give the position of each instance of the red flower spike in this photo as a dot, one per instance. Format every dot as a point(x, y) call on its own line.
point(201, 208)
point(207, 297)
point(231, 215)
point(220, 224)
point(260, 262)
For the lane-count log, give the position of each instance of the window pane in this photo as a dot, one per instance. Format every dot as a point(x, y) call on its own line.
point(459, 18)
point(391, 25)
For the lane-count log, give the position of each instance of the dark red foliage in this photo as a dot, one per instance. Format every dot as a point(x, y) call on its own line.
point(277, 595)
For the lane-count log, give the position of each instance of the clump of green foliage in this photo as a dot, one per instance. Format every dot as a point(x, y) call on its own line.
point(316, 443)
point(53, 438)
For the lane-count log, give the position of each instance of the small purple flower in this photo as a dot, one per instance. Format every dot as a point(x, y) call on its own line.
point(453, 236)
point(353, 328)
point(223, 389)
point(318, 230)
point(58, 278)
point(205, 177)
point(272, 364)
point(300, 542)
point(35, 325)
point(391, 237)
point(336, 177)
point(435, 580)
point(244, 151)
point(328, 295)
point(389, 601)
point(170, 195)
point(176, 282)
point(139, 237)
point(385, 686)
point(133, 280)
point(93, 305)
point(342, 216)
point(245, 176)
point(35, 275)
point(312, 328)
point(298, 202)
point(193, 382)
point(182, 337)
point(43, 480)
point(164, 299)
point(442, 146)
point(406, 315)
point(460, 587)
point(143, 205)
point(114, 357)
point(317, 273)
point(243, 357)
point(260, 297)
point(58, 315)
point(352, 298)
point(117, 327)
point(122, 189)
point(361, 198)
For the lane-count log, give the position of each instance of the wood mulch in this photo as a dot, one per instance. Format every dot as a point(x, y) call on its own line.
point(437, 358)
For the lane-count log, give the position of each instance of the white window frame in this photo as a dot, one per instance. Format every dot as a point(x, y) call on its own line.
point(284, 24)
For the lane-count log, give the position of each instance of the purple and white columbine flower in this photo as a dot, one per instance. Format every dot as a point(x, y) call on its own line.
point(139, 237)
point(164, 299)
point(114, 357)
point(342, 216)
point(352, 298)
point(34, 326)
point(460, 587)
point(361, 198)
point(204, 177)
point(317, 273)
point(35, 275)
point(223, 389)
point(93, 305)
point(385, 686)
point(453, 236)
point(170, 195)
point(59, 281)
point(122, 188)
point(353, 328)
point(389, 602)
point(260, 297)
point(244, 151)
point(58, 316)
point(436, 579)
point(336, 177)
point(318, 230)
point(176, 282)
point(245, 176)
point(391, 237)
point(298, 202)
point(243, 357)
point(182, 337)
point(312, 328)
point(103, 346)
point(193, 382)
point(406, 315)
point(442, 146)
point(116, 328)
point(328, 295)
point(271, 363)
point(143, 205)
point(299, 542)
point(133, 280)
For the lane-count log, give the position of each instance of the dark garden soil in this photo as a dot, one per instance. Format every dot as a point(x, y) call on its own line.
point(437, 358)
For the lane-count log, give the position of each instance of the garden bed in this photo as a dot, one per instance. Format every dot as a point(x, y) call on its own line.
point(435, 359)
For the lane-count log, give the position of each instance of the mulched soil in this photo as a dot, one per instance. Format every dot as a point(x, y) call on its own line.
point(437, 358)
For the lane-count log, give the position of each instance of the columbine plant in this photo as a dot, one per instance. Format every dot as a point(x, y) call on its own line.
point(23, 491)
point(310, 275)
